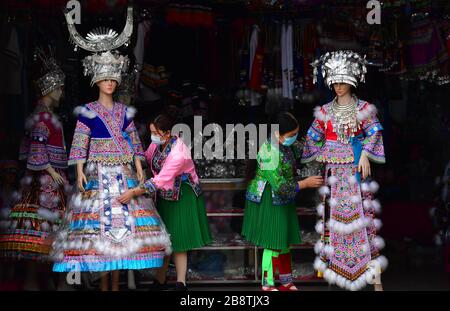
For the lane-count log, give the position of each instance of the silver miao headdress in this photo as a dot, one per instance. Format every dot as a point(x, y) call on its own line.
point(105, 63)
point(341, 67)
point(53, 77)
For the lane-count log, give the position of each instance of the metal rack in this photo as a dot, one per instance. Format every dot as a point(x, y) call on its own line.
point(235, 184)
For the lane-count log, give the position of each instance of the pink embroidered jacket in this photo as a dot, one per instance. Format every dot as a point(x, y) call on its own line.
point(170, 167)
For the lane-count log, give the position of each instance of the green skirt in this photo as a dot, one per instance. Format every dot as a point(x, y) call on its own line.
point(186, 220)
point(271, 226)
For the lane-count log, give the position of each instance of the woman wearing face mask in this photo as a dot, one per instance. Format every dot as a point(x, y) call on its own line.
point(270, 219)
point(180, 201)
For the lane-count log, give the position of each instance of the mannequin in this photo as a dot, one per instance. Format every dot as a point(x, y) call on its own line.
point(100, 233)
point(35, 218)
point(346, 136)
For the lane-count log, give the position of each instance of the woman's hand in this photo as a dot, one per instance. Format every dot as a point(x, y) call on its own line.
point(126, 197)
point(364, 166)
point(311, 182)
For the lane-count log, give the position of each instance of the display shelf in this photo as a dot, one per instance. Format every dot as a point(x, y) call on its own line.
point(223, 198)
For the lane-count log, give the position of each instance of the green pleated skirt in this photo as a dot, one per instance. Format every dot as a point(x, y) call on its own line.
point(185, 220)
point(271, 226)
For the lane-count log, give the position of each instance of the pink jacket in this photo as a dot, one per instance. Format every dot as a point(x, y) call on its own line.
point(170, 167)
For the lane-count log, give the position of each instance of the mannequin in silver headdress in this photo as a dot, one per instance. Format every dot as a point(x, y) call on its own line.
point(36, 216)
point(346, 137)
point(101, 234)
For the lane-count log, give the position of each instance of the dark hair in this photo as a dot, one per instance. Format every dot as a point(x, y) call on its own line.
point(286, 123)
point(163, 122)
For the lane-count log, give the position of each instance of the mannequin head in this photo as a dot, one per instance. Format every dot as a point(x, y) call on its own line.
point(107, 87)
point(53, 98)
point(342, 89)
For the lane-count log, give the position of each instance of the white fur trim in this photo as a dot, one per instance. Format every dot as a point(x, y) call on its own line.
point(379, 242)
point(318, 114)
point(318, 247)
point(333, 202)
point(374, 186)
point(378, 224)
point(319, 227)
point(324, 191)
point(84, 112)
point(320, 209)
point(367, 204)
point(376, 206)
point(332, 180)
point(131, 112)
point(319, 265)
point(329, 250)
point(356, 225)
point(365, 187)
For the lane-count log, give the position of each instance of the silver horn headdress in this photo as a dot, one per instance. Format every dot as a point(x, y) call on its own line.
point(105, 63)
point(53, 77)
point(341, 67)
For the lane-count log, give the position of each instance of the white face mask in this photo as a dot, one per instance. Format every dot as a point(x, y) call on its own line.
point(157, 140)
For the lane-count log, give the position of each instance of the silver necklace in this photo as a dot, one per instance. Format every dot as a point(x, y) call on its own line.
point(345, 121)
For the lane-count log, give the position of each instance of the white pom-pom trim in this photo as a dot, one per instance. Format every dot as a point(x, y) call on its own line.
point(333, 202)
point(324, 191)
point(332, 180)
point(367, 204)
point(374, 186)
point(367, 277)
point(320, 209)
point(376, 206)
point(319, 227)
point(84, 112)
point(318, 247)
point(342, 228)
point(318, 114)
point(379, 242)
point(378, 224)
point(365, 187)
point(131, 112)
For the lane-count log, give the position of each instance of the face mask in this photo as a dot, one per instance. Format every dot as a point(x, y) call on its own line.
point(157, 140)
point(290, 140)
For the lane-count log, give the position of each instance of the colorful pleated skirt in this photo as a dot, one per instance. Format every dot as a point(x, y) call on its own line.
point(101, 234)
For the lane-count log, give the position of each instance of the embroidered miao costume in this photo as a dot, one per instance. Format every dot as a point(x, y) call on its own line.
point(270, 218)
point(180, 200)
point(100, 233)
point(38, 213)
point(348, 252)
